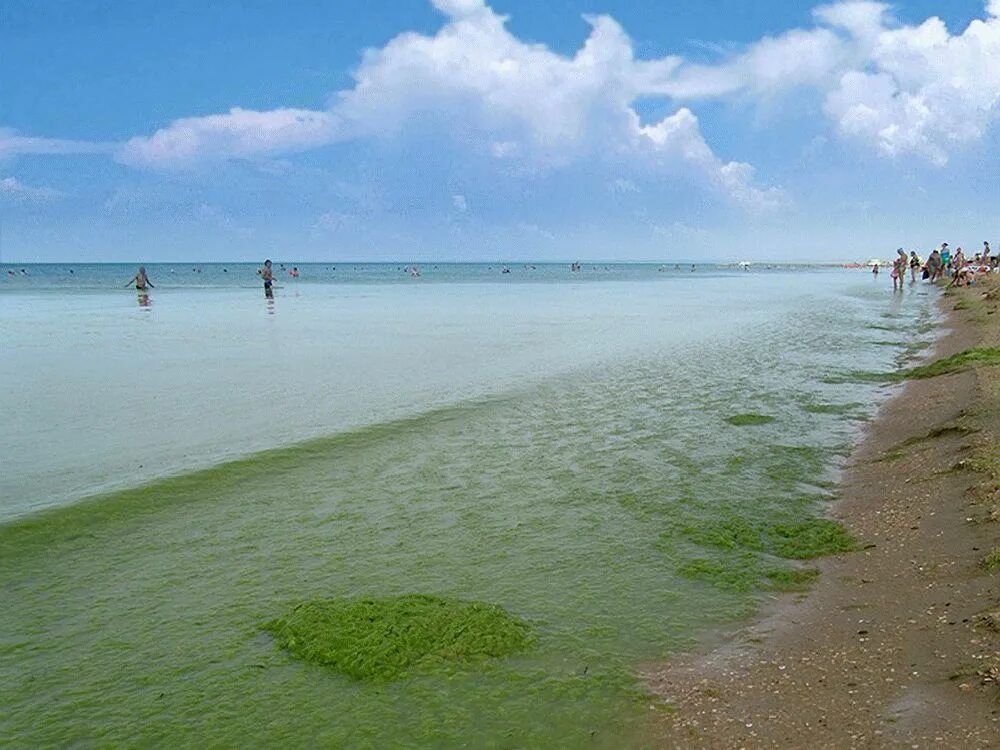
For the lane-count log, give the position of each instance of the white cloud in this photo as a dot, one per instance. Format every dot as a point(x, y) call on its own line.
point(488, 91)
point(926, 92)
point(460, 203)
point(901, 90)
point(15, 190)
point(13, 143)
point(240, 133)
point(459, 8)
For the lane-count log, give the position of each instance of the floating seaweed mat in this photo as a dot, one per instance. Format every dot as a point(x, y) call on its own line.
point(385, 639)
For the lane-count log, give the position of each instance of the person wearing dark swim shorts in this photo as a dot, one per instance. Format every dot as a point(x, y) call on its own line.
point(268, 277)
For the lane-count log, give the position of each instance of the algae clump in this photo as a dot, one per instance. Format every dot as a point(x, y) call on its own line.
point(385, 639)
point(992, 561)
point(813, 538)
point(749, 419)
point(804, 540)
point(980, 356)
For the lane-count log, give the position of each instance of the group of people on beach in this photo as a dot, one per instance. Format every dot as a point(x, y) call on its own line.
point(941, 262)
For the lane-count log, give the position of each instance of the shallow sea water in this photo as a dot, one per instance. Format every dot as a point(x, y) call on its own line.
point(540, 446)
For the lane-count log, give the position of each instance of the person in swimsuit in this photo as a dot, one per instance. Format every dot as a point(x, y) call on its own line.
point(914, 266)
point(141, 280)
point(935, 266)
point(268, 277)
point(899, 269)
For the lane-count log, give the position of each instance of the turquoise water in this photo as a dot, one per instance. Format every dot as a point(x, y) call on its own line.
point(175, 475)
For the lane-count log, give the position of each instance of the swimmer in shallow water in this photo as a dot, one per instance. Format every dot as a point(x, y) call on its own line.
point(268, 277)
point(141, 280)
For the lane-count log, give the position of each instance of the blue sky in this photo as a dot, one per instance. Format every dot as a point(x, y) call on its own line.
point(454, 129)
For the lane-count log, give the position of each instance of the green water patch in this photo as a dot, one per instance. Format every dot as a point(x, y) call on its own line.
point(960, 362)
point(800, 540)
point(790, 579)
point(838, 409)
point(805, 540)
point(745, 551)
point(385, 639)
point(741, 420)
point(563, 510)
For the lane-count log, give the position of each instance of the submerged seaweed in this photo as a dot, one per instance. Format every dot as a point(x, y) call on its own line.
point(980, 356)
point(744, 545)
point(749, 419)
point(832, 408)
point(803, 540)
point(384, 639)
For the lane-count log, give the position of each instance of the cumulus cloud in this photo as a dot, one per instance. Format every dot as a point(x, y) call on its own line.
point(240, 133)
point(900, 90)
point(488, 91)
point(926, 91)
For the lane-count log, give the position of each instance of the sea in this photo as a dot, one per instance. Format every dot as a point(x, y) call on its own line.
point(179, 467)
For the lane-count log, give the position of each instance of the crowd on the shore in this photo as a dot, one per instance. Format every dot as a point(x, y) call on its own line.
point(961, 269)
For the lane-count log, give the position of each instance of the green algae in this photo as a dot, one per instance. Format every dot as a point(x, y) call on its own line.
point(980, 356)
point(839, 409)
point(385, 639)
point(805, 540)
point(730, 534)
point(744, 547)
point(790, 579)
point(991, 562)
point(801, 540)
point(740, 575)
point(741, 420)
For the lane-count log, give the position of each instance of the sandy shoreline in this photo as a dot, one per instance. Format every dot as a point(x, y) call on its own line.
point(890, 647)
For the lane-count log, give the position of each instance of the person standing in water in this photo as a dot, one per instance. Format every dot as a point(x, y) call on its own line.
point(141, 280)
point(899, 269)
point(914, 266)
point(268, 277)
point(935, 266)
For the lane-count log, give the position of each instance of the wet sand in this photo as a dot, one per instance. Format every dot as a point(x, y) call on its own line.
point(895, 646)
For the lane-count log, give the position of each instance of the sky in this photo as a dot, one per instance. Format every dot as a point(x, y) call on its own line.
point(162, 130)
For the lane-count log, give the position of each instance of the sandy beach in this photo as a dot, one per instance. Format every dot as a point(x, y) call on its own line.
point(898, 644)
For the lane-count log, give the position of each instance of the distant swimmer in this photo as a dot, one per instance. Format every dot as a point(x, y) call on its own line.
point(141, 280)
point(294, 273)
point(268, 277)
